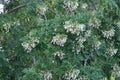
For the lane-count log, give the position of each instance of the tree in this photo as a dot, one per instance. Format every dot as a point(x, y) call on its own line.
point(60, 40)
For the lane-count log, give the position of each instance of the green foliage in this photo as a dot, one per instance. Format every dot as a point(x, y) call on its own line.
point(60, 40)
point(31, 74)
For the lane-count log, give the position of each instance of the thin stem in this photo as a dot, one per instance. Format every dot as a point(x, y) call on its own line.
point(34, 60)
point(16, 8)
point(45, 16)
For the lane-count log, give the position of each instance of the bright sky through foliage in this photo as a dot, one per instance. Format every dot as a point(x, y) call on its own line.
point(1, 8)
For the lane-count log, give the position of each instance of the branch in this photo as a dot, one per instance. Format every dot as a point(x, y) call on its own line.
point(16, 8)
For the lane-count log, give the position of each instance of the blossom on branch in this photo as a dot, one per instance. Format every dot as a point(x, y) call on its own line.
point(59, 39)
point(109, 34)
point(71, 5)
point(74, 27)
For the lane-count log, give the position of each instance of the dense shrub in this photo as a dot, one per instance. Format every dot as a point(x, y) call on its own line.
point(60, 40)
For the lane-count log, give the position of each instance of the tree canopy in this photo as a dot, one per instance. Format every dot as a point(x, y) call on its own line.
point(60, 40)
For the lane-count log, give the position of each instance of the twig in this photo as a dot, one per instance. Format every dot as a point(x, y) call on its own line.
point(34, 60)
point(16, 8)
point(45, 16)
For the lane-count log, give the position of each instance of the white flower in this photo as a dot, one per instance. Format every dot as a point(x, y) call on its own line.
point(1, 8)
point(59, 39)
point(96, 23)
point(1, 49)
point(87, 33)
point(32, 40)
point(16, 23)
point(71, 5)
point(78, 45)
point(35, 39)
point(81, 39)
point(81, 27)
point(60, 54)
point(27, 46)
point(84, 5)
point(103, 78)
point(74, 27)
point(111, 51)
point(96, 44)
point(30, 44)
point(83, 78)
point(109, 34)
point(7, 26)
point(46, 75)
point(116, 71)
point(43, 9)
point(72, 75)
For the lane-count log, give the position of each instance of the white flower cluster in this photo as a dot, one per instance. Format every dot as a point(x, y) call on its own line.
point(72, 75)
point(30, 44)
point(87, 33)
point(59, 39)
point(7, 27)
point(60, 54)
point(82, 78)
point(116, 71)
point(111, 51)
point(46, 75)
point(71, 5)
point(77, 47)
point(109, 34)
point(96, 44)
point(103, 78)
point(96, 23)
point(16, 23)
point(43, 9)
point(74, 27)
point(30, 40)
point(84, 5)
point(1, 49)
